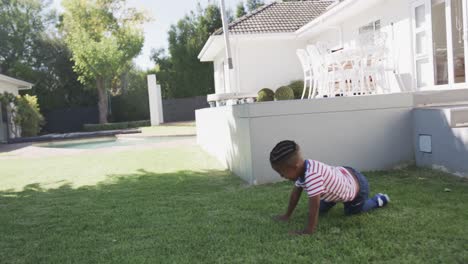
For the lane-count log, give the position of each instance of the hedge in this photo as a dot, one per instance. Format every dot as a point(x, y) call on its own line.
point(115, 126)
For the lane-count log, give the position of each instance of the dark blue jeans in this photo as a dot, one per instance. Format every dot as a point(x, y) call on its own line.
point(361, 203)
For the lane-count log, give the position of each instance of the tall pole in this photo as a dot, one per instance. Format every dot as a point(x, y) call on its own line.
point(227, 47)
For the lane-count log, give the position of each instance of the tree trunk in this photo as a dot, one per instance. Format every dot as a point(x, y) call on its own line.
point(102, 103)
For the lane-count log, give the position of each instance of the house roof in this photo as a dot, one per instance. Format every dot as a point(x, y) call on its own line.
point(19, 83)
point(278, 17)
point(320, 20)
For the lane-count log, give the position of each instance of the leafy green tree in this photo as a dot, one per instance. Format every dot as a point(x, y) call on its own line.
point(22, 26)
point(132, 104)
point(55, 83)
point(164, 72)
point(31, 49)
point(253, 4)
point(240, 10)
point(180, 73)
point(104, 37)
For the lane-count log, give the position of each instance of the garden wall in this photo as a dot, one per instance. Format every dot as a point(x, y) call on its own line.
point(366, 132)
point(70, 119)
point(182, 109)
point(441, 138)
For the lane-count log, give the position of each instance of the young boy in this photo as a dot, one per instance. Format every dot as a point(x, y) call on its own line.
point(325, 185)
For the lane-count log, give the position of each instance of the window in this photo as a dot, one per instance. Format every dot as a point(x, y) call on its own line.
point(370, 35)
point(421, 44)
point(371, 27)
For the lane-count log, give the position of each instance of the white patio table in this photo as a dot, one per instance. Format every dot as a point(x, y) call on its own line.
point(354, 71)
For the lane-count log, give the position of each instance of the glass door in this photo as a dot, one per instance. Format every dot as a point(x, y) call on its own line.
point(457, 43)
point(440, 43)
point(421, 45)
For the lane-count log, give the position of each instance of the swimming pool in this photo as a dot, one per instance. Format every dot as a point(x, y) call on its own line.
point(109, 142)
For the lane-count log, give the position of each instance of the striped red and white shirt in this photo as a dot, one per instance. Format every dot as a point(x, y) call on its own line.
point(333, 184)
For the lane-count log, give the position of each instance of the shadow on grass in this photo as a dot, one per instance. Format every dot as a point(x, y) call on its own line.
point(127, 218)
point(211, 216)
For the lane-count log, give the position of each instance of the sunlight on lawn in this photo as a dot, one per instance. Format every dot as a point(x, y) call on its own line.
point(178, 205)
point(179, 128)
point(82, 170)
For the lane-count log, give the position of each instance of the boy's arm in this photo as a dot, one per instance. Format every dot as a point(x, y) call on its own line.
point(314, 206)
point(293, 200)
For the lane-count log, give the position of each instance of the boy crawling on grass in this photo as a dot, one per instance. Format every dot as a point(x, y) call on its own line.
point(325, 185)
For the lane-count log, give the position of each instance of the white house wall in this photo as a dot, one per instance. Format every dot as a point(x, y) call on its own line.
point(260, 63)
point(268, 63)
point(218, 74)
point(221, 71)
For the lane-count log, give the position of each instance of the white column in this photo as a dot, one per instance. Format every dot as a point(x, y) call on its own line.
point(155, 101)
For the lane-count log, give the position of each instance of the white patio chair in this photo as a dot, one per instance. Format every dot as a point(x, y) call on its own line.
point(344, 72)
point(329, 75)
point(372, 67)
point(335, 75)
point(320, 72)
point(341, 72)
point(349, 60)
point(322, 47)
point(307, 69)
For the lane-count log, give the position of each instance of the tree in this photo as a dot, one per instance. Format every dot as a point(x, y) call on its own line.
point(240, 10)
point(164, 72)
point(55, 83)
point(132, 104)
point(104, 37)
point(253, 4)
point(31, 49)
point(22, 26)
point(180, 73)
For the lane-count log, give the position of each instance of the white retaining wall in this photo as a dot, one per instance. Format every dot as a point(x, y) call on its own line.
point(366, 132)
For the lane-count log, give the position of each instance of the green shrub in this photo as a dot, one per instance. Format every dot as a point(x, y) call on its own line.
point(131, 106)
point(297, 87)
point(115, 126)
point(28, 115)
point(284, 93)
point(265, 94)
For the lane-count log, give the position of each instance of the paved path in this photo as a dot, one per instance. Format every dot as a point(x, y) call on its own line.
point(29, 150)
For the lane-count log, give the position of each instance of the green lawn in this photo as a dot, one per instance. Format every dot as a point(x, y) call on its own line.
point(180, 128)
point(176, 205)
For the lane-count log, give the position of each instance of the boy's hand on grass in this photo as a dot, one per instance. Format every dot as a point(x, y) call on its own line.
point(281, 218)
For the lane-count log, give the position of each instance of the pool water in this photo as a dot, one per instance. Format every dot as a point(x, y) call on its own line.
point(110, 142)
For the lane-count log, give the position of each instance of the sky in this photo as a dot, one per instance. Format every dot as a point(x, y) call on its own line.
point(164, 13)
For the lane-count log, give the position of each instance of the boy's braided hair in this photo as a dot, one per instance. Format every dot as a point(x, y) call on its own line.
point(282, 151)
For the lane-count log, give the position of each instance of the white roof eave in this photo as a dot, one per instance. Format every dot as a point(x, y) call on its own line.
point(210, 49)
point(215, 44)
point(336, 14)
point(21, 85)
